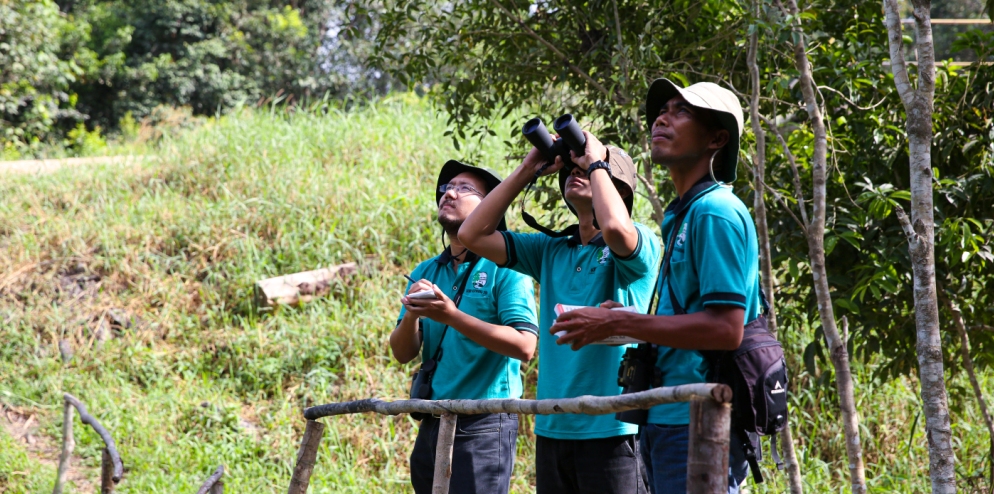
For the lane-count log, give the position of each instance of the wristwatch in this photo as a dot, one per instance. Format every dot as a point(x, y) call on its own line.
point(598, 165)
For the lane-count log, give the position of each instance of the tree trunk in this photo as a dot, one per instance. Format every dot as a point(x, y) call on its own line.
point(921, 236)
point(763, 233)
point(815, 232)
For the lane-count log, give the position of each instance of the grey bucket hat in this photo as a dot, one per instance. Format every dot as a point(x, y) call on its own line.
point(452, 168)
point(709, 96)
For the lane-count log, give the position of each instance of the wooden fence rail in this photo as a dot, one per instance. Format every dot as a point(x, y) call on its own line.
point(710, 416)
point(214, 484)
point(111, 468)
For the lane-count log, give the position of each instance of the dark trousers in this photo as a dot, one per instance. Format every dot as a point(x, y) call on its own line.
point(664, 452)
point(601, 466)
point(482, 455)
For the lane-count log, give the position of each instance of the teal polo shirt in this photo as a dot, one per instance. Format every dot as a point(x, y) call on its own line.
point(715, 261)
point(466, 370)
point(574, 274)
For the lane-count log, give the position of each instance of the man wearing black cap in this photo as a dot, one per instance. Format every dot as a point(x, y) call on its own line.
point(709, 284)
point(477, 329)
point(604, 257)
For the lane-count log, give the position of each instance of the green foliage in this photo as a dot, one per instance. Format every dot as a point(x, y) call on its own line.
point(37, 68)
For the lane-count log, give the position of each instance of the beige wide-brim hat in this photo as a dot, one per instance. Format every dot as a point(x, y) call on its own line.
point(709, 96)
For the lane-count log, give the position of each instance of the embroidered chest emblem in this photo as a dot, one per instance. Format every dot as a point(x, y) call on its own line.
point(480, 280)
point(605, 255)
point(681, 237)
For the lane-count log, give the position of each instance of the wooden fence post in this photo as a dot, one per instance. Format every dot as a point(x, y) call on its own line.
point(106, 473)
point(68, 444)
point(443, 454)
point(710, 426)
point(306, 457)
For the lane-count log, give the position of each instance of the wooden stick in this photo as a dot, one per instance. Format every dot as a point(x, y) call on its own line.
point(106, 473)
point(300, 287)
point(590, 405)
point(707, 462)
point(88, 419)
point(213, 484)
point(443, 454)
point(68, 444)
point(306, 457)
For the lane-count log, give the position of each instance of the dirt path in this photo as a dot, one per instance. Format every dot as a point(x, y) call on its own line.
point(46, 166)
point(22, 425)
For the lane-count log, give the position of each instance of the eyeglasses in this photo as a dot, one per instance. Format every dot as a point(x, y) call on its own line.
point(460, 189)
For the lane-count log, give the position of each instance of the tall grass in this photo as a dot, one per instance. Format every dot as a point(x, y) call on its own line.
point(203, 378)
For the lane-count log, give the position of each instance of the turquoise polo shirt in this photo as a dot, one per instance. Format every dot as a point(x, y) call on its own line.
point(574, 274)
point(466, 370)
point(715, 261)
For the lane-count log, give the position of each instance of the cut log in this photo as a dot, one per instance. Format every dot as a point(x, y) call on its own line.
point(299, 288)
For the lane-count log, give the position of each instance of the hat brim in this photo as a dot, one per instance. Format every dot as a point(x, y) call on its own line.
point(663, 90)
point(629, 201)
point(453, 168)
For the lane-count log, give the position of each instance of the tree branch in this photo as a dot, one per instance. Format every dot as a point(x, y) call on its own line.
point(982, 327)
point(793, 166)
point(851, 102)
point(88, 419)
point(562, 56)
point(909, 231)
point(970, 371)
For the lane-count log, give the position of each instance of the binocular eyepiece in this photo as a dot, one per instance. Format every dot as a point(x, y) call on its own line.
point(570, 138)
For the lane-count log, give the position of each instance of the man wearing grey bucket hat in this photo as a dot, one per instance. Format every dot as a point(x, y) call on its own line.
point(709, 282)
point(612, 257)
point(473, 324)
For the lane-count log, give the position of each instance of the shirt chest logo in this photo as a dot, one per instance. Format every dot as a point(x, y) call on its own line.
point(605, 256)
point(681, 237)
point(480, 280)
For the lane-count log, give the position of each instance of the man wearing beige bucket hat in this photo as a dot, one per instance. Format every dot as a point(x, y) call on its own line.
point(709, 282)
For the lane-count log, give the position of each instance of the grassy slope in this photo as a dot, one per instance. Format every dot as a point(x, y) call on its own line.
point(202, 379)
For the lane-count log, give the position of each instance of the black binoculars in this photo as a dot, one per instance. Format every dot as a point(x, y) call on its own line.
point(570, 138)
point(638, 372)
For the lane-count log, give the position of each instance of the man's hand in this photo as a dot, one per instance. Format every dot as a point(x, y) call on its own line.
point(441, 310)
point(595, 151)
point(586, 326)
point(534, 161)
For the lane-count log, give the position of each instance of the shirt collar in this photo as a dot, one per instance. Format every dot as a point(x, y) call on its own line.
point(446, 256)
point(574, 239)
point(677, 205)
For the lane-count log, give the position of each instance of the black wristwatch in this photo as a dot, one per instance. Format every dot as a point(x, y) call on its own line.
point(598, 165)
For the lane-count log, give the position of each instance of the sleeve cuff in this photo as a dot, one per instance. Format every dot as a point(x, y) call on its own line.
point(635, 253)
point(724, 298)
point(525, 326)
point(511, 253)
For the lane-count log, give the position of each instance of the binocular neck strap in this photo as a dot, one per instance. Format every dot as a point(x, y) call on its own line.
point(532, 222)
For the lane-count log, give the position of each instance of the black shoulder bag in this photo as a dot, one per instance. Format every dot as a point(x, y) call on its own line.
point(421, 382)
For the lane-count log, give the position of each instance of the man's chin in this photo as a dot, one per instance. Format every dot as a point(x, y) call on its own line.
point(449, 224)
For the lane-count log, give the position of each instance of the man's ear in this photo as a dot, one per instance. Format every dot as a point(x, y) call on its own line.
point(719, 139)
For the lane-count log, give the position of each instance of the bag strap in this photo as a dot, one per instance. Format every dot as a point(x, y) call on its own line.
point(456, 300)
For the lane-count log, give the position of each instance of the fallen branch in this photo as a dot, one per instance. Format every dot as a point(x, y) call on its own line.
point(590, 405)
